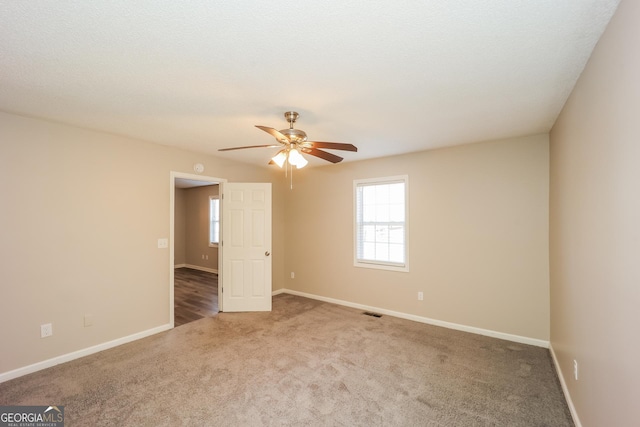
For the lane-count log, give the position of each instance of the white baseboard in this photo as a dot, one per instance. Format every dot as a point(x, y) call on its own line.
point(435, 322)
point(6, 376)
point(277, 292)
point(565, 389)
point(197, 267)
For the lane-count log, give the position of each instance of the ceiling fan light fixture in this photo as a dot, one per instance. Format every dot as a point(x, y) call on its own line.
point(296, 159)
point(295, 136)
point(280, 158)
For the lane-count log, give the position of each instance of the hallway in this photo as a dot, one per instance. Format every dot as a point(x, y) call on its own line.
point(195, 295)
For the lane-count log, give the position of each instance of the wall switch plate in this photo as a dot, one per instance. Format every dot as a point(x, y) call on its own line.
point(163, 243)
point(46, 330)
point(293, 275)
point(420, 296)
point(88, 320)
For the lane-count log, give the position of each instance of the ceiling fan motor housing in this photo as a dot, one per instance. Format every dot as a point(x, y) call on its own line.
point(295, 135)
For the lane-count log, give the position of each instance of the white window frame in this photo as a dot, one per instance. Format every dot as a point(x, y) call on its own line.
point(382, 265)
point(211, 221)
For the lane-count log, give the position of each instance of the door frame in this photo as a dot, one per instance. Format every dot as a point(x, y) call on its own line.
point(172, 211)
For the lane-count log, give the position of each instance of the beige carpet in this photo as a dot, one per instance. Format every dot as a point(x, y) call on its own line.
point(305, 363)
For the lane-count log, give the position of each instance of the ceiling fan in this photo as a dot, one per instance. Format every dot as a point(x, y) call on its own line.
point(293, 142)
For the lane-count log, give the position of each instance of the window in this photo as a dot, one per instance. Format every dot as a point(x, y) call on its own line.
point(381, 226)
point(214, 221)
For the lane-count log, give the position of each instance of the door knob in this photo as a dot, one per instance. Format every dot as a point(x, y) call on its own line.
point(267, 253)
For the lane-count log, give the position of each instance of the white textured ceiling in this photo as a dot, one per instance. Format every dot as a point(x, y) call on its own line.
point(388, 76)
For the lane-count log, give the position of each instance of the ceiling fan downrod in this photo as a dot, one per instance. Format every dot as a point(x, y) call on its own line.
point(295, 136)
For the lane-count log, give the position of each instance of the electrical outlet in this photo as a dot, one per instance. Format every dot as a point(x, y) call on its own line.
point(46, 330)
point(420, 296)
point(575, 369)
point(88, 320)
point(293, 275)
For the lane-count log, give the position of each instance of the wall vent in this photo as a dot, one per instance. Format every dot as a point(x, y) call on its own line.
point(369, 313)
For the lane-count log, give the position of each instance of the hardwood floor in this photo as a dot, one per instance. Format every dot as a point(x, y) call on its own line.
point(195, 295)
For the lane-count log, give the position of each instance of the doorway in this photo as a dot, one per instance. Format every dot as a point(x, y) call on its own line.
point(195, 294)
point(194, 260)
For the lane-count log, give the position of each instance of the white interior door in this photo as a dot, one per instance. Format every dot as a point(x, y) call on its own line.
point(246, 243)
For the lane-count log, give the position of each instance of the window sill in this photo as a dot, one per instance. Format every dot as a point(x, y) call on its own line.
point(375, 266)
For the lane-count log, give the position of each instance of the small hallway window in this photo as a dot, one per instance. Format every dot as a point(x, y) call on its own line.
point(214, 221)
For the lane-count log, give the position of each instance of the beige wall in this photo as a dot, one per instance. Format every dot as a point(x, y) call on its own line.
point(81, 215)
point(595, 231)
point(478, 236)
point(197, 228)
point(180, 227)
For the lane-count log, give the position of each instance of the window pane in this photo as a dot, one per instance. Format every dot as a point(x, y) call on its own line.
point(214, 218)
point(369, 213)
point(396, 193)
point(382, 233)
point(368, 194)
point(396, 235)
point(396, 212)
point(380, 222)
point(213, 211)
point(369, 233)
point(382, 252)
point(396, 253)
point(382, 213)
point(369, 251)
point(382, 194)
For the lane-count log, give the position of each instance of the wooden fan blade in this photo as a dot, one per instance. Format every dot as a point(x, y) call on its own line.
point(249, 146)
point(277, 135)
point(333, 145)
point(322, 154)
